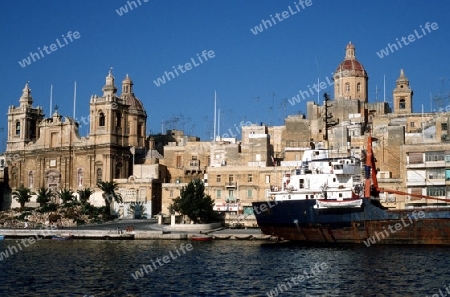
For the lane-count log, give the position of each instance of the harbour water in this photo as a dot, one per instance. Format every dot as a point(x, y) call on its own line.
point(219, 268)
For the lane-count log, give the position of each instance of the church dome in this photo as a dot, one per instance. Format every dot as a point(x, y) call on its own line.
point(128, 95)
point(350, 63)
point(133, 102)
point(127, 80)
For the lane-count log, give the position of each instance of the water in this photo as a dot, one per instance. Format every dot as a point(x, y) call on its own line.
point(220, 268)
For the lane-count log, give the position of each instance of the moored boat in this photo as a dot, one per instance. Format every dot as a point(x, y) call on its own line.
point(243, 236)
point(356, 218)
point(222, 237)
point(2, 237)
point(261, 237)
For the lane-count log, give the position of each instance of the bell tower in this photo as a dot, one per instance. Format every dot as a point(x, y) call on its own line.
point(402, 95)
point(108, 115)
point(23, 122)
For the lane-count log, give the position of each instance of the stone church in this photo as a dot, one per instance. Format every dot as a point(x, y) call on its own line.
point(49, 152)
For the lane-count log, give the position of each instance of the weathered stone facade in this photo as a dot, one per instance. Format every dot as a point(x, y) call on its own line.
point(49, 152)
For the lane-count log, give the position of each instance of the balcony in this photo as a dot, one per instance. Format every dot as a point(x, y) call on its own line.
point(193, 167)
point(432, 164)
point(415, 182)
point(230, 185)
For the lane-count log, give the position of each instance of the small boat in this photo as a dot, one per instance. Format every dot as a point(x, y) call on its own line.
point(243, 236)
point(2, 237)
point(202, 237)
point(262, 237)
point(56, 237)
point(334, 203)
point(222, 237)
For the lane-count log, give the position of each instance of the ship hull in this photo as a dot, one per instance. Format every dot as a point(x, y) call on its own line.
point(299, 220)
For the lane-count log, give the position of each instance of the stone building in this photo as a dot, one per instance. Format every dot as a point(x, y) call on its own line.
point(49, 152)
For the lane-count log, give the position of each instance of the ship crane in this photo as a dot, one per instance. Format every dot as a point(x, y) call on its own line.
point(371, 188)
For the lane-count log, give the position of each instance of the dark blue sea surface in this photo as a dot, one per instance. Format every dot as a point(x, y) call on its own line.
point(220, 268)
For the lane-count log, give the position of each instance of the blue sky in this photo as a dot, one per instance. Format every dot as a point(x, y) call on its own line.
point(253, 74)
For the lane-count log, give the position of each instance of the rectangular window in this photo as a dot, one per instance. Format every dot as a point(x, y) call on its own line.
point(444, 126)
point(434, 156)
point(436, 173)
point(219, 193)
point(179, 161)
point(250, 178)
point(249, 193)
point(415, 191)
point(171, 194)
point(436, 191)
point(142, 193)
point(447, 158)
point(231, 194)
point(231, 178)
point(411, 124)
point(415, 158)
point(267, 179)
point(219, 178)
point(18, 128)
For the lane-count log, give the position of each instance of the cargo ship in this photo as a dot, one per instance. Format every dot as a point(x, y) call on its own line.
point(326, 201)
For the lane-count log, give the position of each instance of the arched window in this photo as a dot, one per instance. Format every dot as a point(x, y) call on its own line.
point(118, 170)
point(17, 128)
point(80, 177)
point(402, 104)
point(101, 120)
point(358, 88)
point(30, 180)
point(118, 119)
point(99, 175)
point(347, 87)
point(139, 129)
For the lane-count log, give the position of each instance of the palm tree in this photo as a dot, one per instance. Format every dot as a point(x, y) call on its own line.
point(109, 192)
point(44, 196)
point(22, 195)
point(137, 209)
point(85, 194)
point(66, 195)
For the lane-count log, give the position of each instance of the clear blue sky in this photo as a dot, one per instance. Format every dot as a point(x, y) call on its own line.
point(253, 74)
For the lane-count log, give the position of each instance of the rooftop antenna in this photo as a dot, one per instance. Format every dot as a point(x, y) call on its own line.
point(218, 123)
point(273, 109)
point(384, 88)
point(51, 98)
point(74, 99)
point(215, 102)
point(318, 93)
point(318, 81)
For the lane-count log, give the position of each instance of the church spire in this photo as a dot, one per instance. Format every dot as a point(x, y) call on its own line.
point(350, 51)
point(127, 86)
point(109, 88)
point(26, 99)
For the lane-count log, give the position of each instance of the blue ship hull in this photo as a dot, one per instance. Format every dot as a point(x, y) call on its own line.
point(298, 220)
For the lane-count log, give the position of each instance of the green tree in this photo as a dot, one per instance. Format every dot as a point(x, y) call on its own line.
point(85, 194)
point(110, 195)
point(194, 203)
point(66, 195)
point(44, 196)
point(22, 195)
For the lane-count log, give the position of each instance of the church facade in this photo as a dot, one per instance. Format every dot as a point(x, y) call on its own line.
point(50, 153)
